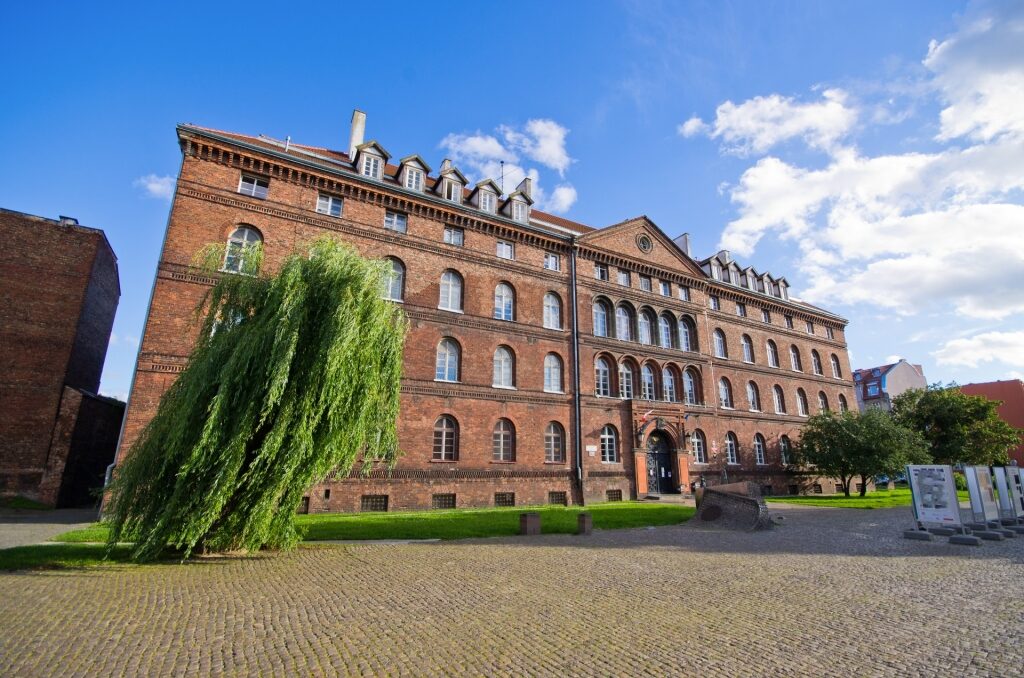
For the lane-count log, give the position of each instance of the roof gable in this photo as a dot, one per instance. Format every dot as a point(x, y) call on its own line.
point(625, 240)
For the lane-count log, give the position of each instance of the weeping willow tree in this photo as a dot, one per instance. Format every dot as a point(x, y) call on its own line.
point(294, 376)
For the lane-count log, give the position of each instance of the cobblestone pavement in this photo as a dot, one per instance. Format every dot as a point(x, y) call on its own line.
point(832, 592)
point(20, 528)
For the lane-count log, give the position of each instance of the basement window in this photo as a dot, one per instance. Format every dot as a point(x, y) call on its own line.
point(442, 501)
point(373, 502)
point(504, 498)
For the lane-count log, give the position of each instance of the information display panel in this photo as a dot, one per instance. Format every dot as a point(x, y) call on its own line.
point(983, 499)
point(934, 494)
point(1014, 480)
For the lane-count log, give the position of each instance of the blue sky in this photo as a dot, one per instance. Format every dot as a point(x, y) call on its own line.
point(871, 152)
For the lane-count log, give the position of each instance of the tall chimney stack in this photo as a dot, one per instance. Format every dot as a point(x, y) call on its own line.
point(358, 130)
point(526, 187)
point(683, 242)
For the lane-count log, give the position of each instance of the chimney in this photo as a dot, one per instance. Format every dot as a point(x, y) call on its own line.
point(526, 187)
point(446, 165)
point(358, 130)
point(723, 256)
point(683, 242)
point(68, 221)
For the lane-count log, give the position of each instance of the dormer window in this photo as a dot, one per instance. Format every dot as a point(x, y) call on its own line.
point(371, 166)
point(413, 179)
point(716, 271)
point(452, 191)
point(487, 201)
point(519, 210)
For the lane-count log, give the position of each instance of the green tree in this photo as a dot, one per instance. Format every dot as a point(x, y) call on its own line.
point(293, 376)
point(960, 428)
point(853, 444)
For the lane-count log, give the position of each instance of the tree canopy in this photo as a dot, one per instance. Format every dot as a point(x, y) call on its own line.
point(293, 376)
point(960, 428)
point(855, 444)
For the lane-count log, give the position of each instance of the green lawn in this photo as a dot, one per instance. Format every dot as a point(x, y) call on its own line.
point(23, 503)
point(872, 500)
point(60, 556)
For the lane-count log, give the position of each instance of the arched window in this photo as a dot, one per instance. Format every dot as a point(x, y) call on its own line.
point(451, 291)
point(748, 349)
point(822, 401)
point(724, 393)
point(503, 446)
point(801, 402)
point(504, 302)
point(600, 319)
point(816, 362)
point(447, 365)
point(446, 439)
point(732, 449)
point(554, 443)
point(552, 311)
point(602, 378)
point(668, 384)
point(552, 373)
point(623, 323)
point(759, 449)
point(394, 281)
point(698, 443)
point(843, 407)
point(784, 449)
point(837, 371)
point(794, 358)
point(780, 399)
point(773, 354)
point(609, 444)
point(625, 381)
point(667, 330)
point(721, 350)
point(646, 324)
point(504, 368)
point(691, 387)
point(753, 396)
point(687, 334)
point(648, 385)
point(241, 243)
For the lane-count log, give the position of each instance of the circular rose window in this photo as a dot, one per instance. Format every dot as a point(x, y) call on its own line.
point(644, 243)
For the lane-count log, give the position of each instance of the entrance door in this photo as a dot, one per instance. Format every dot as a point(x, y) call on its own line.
point(659, 465)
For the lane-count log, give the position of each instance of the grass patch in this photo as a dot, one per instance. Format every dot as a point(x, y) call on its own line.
point(97, 532)
point(882, 499)
point(61, 556)
point(23, 503)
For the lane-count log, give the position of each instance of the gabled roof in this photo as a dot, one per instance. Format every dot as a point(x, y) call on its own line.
point(486, 183)
point(644, 224)
point(372, 144)
point(454, 170)
point(520, 195)
point(415, 158)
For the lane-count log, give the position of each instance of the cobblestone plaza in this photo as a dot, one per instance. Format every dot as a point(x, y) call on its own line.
point(831, 592)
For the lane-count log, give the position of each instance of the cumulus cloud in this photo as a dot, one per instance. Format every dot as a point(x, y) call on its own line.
point(1004, 347)
point(756, 125)
point(542, 141)
point(154, 186)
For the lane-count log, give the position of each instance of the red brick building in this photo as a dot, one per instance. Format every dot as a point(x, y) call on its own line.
point(1011, 393)
point(59, 290)
point(547, 361)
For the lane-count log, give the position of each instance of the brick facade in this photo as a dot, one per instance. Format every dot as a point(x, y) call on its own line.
point(208, 207)
point(59, 286)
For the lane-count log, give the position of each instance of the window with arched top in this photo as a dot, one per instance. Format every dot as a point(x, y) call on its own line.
point(554, 443)
point(721, 349)
point(648, 384)
point(773, 353)
point(241, 248)
point(601, 316)
point(504, 302)
point(794, 359)
point(625, 381)
point(732, 448)
point(446, 439)
point(504, 368)
point(553, 373)
point(687, 334)
point(843, 407)
point(699, 447)
point(816, 362)
point(451, 291)
point(609, 444)
point(667, 331)
point(780, 399)
point(503, 441)
point(753, 397)
point(447, 363)
point(646, 323)
point(759, 457)
point(748, 348)
point(784, 449)
point(822, 401)
point(602, 378)
point(394, 281)
point(624, 323)
point(801, 402)
point(837, 371)
point(724, 393)
point(668, 384)
point(691, 387)
point(552, 311)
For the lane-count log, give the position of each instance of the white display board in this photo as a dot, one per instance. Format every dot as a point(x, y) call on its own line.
point(1016, 483)
point(1004, 495)
point(983, 499)
point(934, 493)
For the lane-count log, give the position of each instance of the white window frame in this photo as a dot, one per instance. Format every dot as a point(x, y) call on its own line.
point(601, 272)
point(327, 204)
point(452, 191)
point(552, 311)
point(714, 303)
point(506, 250)
point(487, 201)
point(553, 374)
point(395, 219)
point(371, 166)
point(260, 186)
point(445, 302)
point(552, 261)
point(684, 292)
point(623, 278)
point(413, 179)
point(665, 287)
point(453, 233)
point(519, 211)
point(646, 284)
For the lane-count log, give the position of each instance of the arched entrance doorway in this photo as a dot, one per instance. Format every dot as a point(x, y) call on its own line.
point(660, 469)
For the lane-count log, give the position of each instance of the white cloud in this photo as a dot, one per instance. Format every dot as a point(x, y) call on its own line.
point(892, 359)
point(758, 124)
point(156, 186)
point(543, 141)
point(1003, 347)
point(476, 147)
point(562, 198)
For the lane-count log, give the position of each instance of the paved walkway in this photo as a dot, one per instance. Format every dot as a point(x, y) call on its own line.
point(834, 592)
point(21, 528)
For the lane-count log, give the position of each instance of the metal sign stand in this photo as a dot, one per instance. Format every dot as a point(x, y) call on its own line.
point(1009, 502)
point(929, 486)
point(979, 487)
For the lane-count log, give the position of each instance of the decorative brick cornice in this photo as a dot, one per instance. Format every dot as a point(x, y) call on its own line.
point(503, 327)
point(443, 389)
